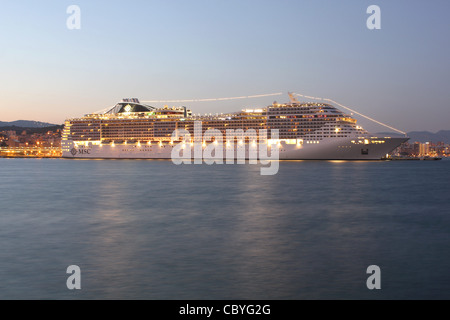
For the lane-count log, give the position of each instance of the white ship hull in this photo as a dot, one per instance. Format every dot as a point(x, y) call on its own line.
point(327, 149)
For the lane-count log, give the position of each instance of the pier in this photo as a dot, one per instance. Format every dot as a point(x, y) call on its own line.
point(30, 152)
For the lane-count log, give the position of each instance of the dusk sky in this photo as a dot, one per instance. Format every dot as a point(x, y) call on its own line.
point(173, 49)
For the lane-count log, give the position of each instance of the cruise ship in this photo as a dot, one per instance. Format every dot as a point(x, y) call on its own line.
point(299, 131)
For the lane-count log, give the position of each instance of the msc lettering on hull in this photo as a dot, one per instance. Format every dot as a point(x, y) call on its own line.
point(82, 151)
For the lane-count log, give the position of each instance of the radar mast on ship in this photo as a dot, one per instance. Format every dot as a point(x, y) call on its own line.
point(293, 99)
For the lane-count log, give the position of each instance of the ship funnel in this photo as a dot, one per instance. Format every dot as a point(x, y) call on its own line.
point(133, 100)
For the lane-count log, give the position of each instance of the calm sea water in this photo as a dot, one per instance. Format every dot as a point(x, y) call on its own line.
point(154, 230)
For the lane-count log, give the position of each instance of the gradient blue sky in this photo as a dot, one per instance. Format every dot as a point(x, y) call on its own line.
point(175, 49)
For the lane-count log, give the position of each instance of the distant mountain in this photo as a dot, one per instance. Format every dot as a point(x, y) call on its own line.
point(26, 124)
point(19, 130)
point(422, 136)
point(425, 136)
